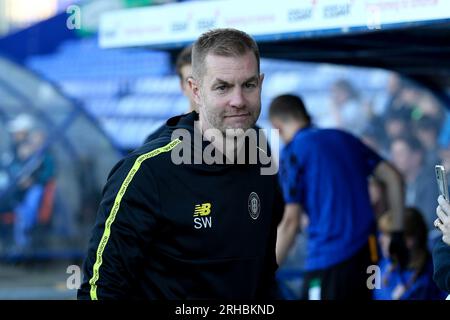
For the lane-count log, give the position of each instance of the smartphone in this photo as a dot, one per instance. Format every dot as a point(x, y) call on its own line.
point(441, 179)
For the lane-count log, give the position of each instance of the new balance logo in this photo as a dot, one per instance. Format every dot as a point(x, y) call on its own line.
point(202, 210)
point(201, 213)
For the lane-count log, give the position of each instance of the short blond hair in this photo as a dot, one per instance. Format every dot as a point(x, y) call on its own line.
point(225, 42)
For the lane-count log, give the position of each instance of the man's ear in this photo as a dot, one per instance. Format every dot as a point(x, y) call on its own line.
point(195, 89)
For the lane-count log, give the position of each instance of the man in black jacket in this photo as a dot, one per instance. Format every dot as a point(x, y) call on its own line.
point(188, 230)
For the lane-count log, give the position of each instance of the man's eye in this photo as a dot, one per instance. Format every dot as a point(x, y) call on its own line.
point(250, 85)
point(221, 88)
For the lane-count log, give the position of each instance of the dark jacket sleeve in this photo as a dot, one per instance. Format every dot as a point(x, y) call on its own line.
point(441, 260)
point(125, 224)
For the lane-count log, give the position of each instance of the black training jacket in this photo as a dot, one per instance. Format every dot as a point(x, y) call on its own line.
point(190, 231)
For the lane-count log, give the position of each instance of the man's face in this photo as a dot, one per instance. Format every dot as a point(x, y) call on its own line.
point(229, 95)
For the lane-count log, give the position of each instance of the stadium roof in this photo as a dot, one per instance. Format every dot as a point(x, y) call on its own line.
point(411, 37)
point(419, 52)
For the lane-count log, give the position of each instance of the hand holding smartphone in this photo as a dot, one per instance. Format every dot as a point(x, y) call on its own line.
point(441, 179)
point(443, 216)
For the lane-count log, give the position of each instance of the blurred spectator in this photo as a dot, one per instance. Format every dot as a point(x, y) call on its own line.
point(383, 103)
point(416, 281)
point(396, 124)
point(19, 129)
point(347, 111)
point(183, 67)
point(427, 130)
point(404, 101)
point(430, 107)
point(421, 188)
point(33, 168)
point(394, 89)
point(409, 95)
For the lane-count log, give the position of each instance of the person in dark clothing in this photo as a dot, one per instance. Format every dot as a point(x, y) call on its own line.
point(183, 67)
point(190, 230)
point(441, 250)
point(324, 174)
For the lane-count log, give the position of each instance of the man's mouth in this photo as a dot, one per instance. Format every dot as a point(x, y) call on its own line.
point(243, 115)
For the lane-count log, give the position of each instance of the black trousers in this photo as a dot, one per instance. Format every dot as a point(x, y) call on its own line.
point(344, 281)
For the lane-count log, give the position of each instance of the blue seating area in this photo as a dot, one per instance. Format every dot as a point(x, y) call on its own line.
point(132, 91)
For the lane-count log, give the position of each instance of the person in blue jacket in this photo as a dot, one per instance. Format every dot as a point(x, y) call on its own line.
point(324, 174)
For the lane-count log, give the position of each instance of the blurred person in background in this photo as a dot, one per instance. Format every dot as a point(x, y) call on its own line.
point(428, 106)
point(169, 231)
point(401, 106)
point(381, 106)
point(427, 132)
point(33, 168)
point(441, 250)
point(409, 95)
point(183, 67)
point(324, 174)
point(394, 88)
point(421, 189)
point(347, 110)
point(396, 124)
point(415, 282)
point(19, 129)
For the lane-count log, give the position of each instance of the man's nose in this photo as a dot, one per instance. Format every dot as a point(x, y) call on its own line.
point(237, 98)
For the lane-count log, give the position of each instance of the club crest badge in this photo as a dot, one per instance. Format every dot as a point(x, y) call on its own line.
point(254, 205)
